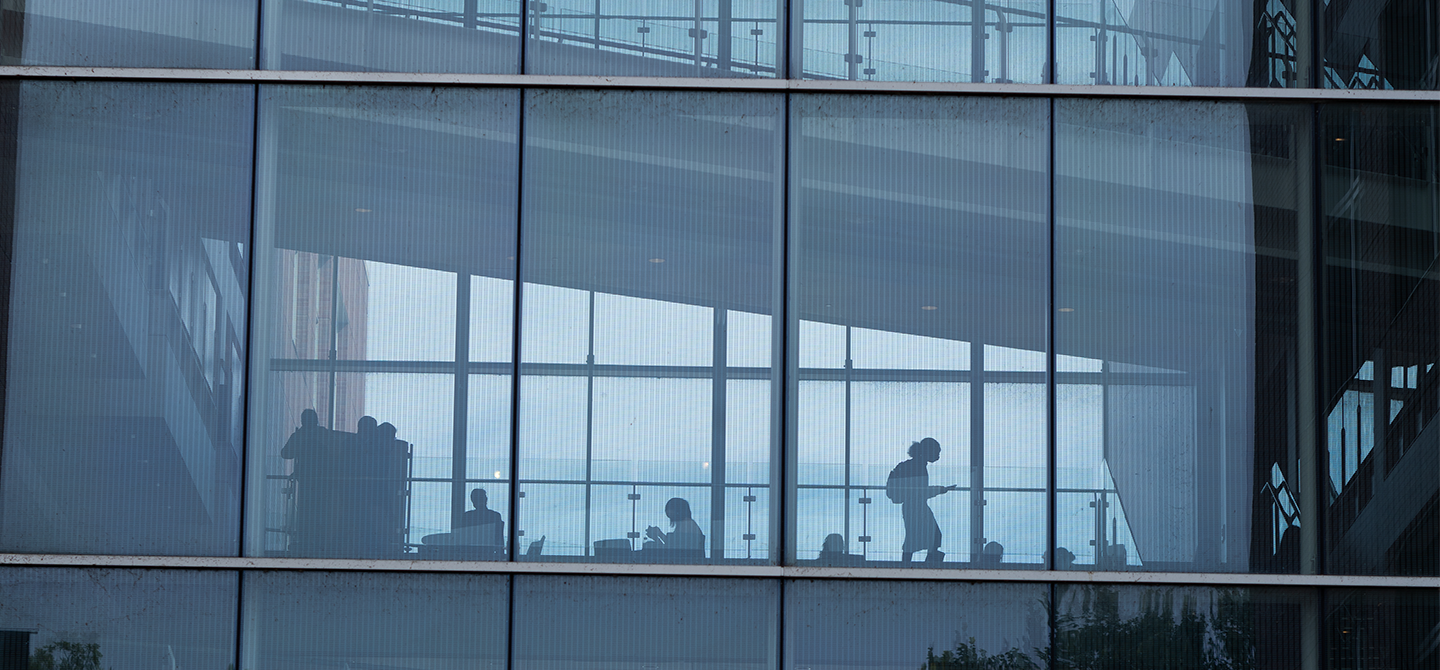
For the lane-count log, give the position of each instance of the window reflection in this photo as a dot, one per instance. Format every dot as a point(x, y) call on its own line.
point(416, 621)
point(381, 418)
point(906, 625)
point(127, 320)
point(1186, 43)
point(1180, 337)
point(392, 35)
point(920, 255)
point(644, 407)
point(1001, 41)
point(620, 622)
point(132, 33)
point(88, 619)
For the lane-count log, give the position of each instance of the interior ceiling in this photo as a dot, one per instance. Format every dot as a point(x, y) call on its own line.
point(597, 213)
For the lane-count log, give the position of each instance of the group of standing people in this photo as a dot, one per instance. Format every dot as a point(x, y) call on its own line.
point(349, 488)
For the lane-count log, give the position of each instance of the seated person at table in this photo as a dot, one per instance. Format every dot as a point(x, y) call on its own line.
point(685, 533)
point(482, 515)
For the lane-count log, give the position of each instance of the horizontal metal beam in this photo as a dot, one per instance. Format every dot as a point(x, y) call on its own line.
point(1221, 580)
point(715, 84)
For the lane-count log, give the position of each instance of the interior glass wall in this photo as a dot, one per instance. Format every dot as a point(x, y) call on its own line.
point(88, 619)
point(392, 35)
point(1000, 41)
point(649, 230)
point(920, 260)
point(645, 622)
point(1178, 337)
point(416, 621)
point(896, 625)
point(1182, 43)
point(380, 423)
point(1382, 240)
point(130, 33)
point(126, 316)
point(656, 38)
point(1381, 628)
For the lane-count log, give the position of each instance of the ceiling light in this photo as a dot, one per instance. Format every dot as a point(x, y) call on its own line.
point(657, 260)
point(1067, 309)
point(929, 308)
point(362, 210)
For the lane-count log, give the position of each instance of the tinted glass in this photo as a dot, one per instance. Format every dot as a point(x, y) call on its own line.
point(645, 423)
point(1181, 43)
point(125, 367)
point(1381, 628)
point(301, 620)
point(921, 254)
point(380, 426)
point(645, 622)
point(1005, 42)
point(131, 33)
point(1134, 627)
point(908, 625)
point(89, 619)
point(392, 35)
point(1181, 369)
point(655, 38)
point(1380, 44)
point(1381, 240)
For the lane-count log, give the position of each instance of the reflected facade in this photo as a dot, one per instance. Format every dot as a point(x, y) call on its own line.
point(1176, 330)
point(731, 334)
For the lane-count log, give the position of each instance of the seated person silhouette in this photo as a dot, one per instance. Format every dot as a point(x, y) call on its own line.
point(834, 552)
point(490, 527)
point(685, 541)
point(991, 555)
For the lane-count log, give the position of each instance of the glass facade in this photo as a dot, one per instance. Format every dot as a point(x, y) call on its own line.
point(433, 334)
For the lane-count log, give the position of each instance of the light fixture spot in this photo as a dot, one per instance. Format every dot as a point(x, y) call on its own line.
point(929, 308)
point(509, 258)
point(657, 260)
point(497, 474)
point(362, 210)
point(64, 294)
point(706, 464)
point(1067, 309)
point(1339, 139)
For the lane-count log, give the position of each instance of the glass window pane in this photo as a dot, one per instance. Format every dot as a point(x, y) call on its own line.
point(1379, 193)
point(1176, 272)
point(649, 223)
point(1381, 628)
point(641, 622)
point(385, 303)
point(414, 621)
point(922, 41)
point(655, 38)
point(132, 33)
point(1185, 43)
point(126, 361)
point(908, 625)
point(921, 249)
point(1381, 44)
point(88, 619)
point(1134, 627)
point(470, 36)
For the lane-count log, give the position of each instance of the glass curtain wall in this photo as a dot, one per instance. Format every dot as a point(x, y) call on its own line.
point(1180, 275)
point(130, 33)
point(1379, 191)
point(126, 316)
point(392, 35)
point(1001, 41)
point(645, 422)
point(920, 245)
point(380, 421)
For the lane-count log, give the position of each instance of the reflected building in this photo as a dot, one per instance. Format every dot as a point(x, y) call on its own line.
point(323, 317)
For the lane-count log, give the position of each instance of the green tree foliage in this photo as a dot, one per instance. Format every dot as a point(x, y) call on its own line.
point(969, 656)
point(63, 655)
point(1160, 636)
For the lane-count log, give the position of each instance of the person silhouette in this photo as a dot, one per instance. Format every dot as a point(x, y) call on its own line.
point(482, 514)
point(685, 533)
point(909, 485)
point(306, 439)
